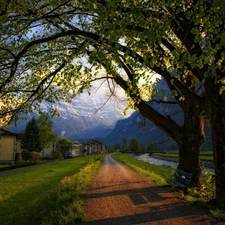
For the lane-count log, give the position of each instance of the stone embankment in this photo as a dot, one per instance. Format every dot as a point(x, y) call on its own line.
point(206, 164)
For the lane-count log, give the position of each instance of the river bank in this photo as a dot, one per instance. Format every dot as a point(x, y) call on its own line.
point(170, 161)
point(206, 164)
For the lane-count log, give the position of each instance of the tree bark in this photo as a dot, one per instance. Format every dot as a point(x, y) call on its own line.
point(191, 140)
point(215, 108)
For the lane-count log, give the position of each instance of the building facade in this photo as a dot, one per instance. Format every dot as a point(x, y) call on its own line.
point(10, 146)
point(94, 147)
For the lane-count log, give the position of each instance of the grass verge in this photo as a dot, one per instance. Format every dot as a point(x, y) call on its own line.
point(48, 195)
point(207, 156)
point(159, 174)
point(155, 173)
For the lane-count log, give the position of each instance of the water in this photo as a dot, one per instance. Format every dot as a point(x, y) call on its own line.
point(162, 162)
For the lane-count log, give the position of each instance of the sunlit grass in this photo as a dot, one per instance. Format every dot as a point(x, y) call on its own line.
point(52, 194)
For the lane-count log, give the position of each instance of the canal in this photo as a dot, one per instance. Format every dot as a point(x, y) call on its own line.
point(164, 162)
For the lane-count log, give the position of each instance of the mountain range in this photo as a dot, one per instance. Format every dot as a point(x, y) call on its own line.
point(85, 117)
point(143, 130)
point(140, 128)
point(93, 117)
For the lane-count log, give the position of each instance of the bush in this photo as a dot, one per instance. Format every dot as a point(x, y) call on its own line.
point(25, 155)
point(207, 193)
point(55, 154)
point(34, 156)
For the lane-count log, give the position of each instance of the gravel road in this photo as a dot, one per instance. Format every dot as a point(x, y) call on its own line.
point(118, 196)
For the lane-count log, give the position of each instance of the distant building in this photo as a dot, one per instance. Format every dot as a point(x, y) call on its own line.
point(94, 146)
point(76, 149)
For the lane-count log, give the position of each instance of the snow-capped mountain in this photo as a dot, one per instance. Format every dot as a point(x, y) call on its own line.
point(85, 117)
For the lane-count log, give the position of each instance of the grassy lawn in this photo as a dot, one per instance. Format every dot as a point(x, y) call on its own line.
point(208, 156)
point(2, 166)
point(52, 194)
point(159, 174)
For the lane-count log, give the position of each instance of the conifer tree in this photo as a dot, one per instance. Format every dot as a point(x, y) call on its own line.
point(31, 139)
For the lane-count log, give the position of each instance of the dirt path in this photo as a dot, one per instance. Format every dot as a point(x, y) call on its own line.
point(118, 195)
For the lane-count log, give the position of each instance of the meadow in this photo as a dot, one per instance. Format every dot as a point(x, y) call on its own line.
point(51, 194)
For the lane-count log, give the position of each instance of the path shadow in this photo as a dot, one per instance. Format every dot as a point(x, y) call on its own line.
point(153, 205)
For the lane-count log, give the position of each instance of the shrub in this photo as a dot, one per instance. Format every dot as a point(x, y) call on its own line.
point(55, 154)
point(34, 156)
point(25, 154)
point(207, 192)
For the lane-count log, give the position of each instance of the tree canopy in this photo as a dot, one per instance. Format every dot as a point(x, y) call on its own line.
point(64, 145)
point(63, 44)
point(46, 135)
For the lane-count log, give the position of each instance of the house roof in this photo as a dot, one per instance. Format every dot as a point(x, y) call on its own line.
point(91, 141)
point(6, 132)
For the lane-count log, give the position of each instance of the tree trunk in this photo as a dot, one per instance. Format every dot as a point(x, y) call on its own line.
point(191, 140)
point(216, 113)
point(189, 151)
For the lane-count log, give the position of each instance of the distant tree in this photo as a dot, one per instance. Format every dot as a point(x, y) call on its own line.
point(117, 146)
point(31, 139)
point(111, 150)
point(142, 148)
point(45, 131)
point(124, 145)
point(63, 145)
point(152, 147)
point(124, 148)
point(134, 146)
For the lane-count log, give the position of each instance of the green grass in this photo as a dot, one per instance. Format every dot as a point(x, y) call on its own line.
point(52, 194)
point(2, 166)
point(208, 156)
point(155, 173)
point(159, 174)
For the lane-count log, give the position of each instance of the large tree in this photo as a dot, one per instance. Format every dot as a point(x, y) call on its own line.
point(60, 34)
point(183, 41)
